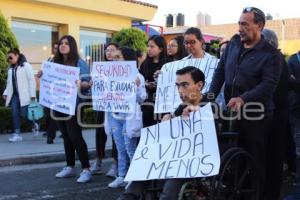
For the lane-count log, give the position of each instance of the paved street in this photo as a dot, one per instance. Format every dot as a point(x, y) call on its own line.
point(28, 168)
point(33, 182)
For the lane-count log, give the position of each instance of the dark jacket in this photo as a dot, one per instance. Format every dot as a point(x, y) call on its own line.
point(252, 75)
point(294, 84)
point(281, 92)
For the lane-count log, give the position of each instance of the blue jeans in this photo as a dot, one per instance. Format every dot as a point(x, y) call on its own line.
point(295, 129)
point(17, 111)
point(125, 146)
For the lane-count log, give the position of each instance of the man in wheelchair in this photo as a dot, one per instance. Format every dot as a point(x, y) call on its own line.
point(189, 81)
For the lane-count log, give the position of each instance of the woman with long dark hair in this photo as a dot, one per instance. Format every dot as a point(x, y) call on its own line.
point(101, 136)
point(156, 58)
point(176, 49)
point(20, 89)
point(67, 54)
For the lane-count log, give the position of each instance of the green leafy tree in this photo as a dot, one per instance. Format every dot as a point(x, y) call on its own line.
point(7, 42)
point(131, 37)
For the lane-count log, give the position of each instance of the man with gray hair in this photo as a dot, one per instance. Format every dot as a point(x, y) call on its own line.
point(275, 145)
point(271, 37)
point(249, 68)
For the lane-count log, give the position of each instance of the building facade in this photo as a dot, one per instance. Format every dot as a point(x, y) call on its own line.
point(37, 24)
point(287, 30)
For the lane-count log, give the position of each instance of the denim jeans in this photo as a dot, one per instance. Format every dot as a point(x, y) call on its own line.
point(125, 146)
point(295, 129)
point(17, 111)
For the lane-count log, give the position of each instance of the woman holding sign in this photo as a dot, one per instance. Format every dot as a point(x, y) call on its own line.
point(67, 54)
point(156, 58)
point(125, 128)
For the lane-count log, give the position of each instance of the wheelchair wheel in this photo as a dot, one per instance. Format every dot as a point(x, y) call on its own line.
point(197, 189)
point(238, 178)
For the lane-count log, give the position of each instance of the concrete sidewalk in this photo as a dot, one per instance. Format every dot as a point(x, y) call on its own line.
point(34, 149)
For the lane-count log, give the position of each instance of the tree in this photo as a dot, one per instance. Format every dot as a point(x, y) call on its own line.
point(131, 37)
point(7, 42)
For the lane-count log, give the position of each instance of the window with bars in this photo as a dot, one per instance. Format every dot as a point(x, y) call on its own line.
point(92, 44)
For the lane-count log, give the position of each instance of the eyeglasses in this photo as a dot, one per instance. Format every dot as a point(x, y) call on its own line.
point(171, 46)
point(191, 42)
point(109, 50)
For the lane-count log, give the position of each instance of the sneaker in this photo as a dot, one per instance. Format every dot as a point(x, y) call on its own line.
point(85, 176)
point(66, 172)
point(15, 138)
point(112, 172)
point(96, 168)
point(118, 182)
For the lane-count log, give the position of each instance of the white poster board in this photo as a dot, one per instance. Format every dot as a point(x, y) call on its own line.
point(58, 89)
point(167, 98)
point(178, 148)
point(114, 88)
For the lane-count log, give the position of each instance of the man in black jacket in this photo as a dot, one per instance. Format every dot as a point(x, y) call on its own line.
point(250, 70)
point(294, 106)
point(275, 144)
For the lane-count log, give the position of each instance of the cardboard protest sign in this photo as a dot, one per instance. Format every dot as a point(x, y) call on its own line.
point(113, 88)
point(58, 89)
point(178, 148)
point(167, 97)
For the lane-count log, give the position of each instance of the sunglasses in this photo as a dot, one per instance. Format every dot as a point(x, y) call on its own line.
point(191, 42)
point(255, 10)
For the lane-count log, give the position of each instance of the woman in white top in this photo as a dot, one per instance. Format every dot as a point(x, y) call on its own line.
point(20, 89)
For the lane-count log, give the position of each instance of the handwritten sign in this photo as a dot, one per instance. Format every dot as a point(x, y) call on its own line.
point(167, 97)
point(58, 89)
point(114, 87)
point(178, 148)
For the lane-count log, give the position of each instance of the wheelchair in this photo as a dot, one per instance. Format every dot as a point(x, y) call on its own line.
point(238, 177)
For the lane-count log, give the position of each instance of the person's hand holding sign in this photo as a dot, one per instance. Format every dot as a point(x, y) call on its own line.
point(78, 84)
point(150, 85)
point(83, 84)
point(188, 109)
point(156, 74)
point(39, 74)
point(166, 117)
point(137, 82)
point(91, 83)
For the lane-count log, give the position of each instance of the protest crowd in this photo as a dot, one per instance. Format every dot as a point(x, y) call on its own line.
point(137, 101)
